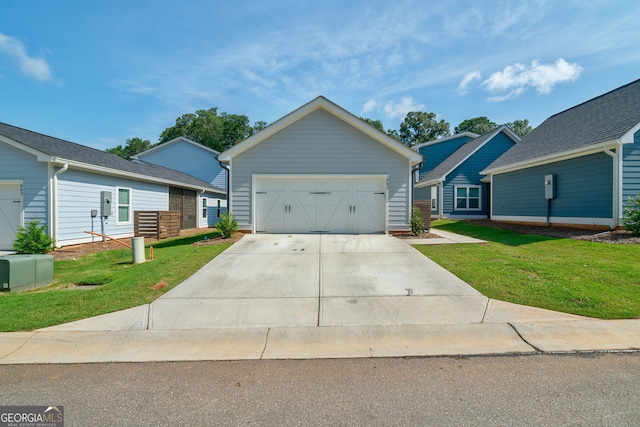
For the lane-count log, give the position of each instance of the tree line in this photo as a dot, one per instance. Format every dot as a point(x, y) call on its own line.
point(221, 131)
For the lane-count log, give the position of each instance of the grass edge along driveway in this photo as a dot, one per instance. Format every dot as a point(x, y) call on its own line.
point(121, 284)
point(573, 276)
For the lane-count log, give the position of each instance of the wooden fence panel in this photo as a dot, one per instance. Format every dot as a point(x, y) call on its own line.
point(425, 212)
point(156, 224)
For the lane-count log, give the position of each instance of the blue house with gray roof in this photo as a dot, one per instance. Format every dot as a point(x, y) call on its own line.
point(578, 168)
point(61, 183)
point(451, 177)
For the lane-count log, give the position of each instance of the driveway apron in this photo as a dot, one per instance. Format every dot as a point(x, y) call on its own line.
point(318, 280)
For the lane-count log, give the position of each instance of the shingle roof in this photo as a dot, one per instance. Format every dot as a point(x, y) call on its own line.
point(66, 150)
point(601, 119)
point(448, 164)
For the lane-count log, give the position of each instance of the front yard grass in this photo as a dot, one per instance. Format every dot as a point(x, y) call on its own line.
point(580, 277)
point(121, 284)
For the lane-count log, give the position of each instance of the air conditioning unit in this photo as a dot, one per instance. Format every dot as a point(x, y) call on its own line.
point(23, 272)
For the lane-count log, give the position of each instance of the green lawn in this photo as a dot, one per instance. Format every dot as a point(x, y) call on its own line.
point(586, 278)
point(122, 284)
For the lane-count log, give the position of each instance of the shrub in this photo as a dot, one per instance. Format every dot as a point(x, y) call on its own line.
point(227, 225)
point(417, 224)
point(32, 239)
point(632, 215)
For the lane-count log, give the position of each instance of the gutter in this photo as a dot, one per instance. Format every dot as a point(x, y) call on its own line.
point(54, 204)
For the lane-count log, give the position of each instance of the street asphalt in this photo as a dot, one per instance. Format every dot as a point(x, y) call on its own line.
point(319, 296)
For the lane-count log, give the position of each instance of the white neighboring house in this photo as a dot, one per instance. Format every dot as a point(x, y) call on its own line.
point(320, 169)
point(60, 183)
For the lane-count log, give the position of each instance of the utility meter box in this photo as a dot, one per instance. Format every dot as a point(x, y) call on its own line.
point(549, 186)
point(105, 203)
point(23, 272)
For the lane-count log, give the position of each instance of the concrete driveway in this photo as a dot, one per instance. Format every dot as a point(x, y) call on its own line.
point(318, 280)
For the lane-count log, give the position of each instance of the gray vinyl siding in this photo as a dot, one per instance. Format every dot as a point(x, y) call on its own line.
point(631, 169)
point(79, 193)
point(319, 144)
point(584, 189)
point(212, 209)
point(21, 166)
point(190, 159)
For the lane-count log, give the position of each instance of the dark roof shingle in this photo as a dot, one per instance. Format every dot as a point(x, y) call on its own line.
point(601, 119)
point(66, 150)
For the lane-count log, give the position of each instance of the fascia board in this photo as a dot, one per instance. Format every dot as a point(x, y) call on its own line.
point(125, 174)
point(552, 158)
point(171, 142)
point(42, 157)
point(628, 138)
point(331, 108)
point(447, 138)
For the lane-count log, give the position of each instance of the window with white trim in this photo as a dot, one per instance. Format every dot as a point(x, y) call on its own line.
point(204, 208)
point(468, 198)
point(123, 208)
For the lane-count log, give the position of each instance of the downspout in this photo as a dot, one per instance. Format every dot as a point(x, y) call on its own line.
point(226, 167)
point(54, 209)
point(617, 184)
point(440, 199)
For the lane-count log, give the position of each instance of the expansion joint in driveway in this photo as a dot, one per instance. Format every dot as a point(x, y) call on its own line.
point(319, 280)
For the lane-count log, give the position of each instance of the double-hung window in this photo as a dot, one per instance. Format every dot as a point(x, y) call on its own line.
point(124, 206)
point(468, 198)
point(204, 208)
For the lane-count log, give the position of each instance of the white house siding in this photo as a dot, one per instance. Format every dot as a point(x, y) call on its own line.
point(190, 159)
point(321, 144)
point(79, 193)
point(18, 165)
point(212, 209)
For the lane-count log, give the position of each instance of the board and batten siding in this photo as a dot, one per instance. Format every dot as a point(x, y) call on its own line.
point(79, 193)
point(190, 159)
point(631, 169)
point(321, 144)
point(18, 165)
point(435, 153)
point(584, 189)
point(468, 174)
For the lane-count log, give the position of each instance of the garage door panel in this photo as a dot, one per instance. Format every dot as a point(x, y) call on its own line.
point(303, 214)
point(333, 212)
point(270, 206)
point(318, 204)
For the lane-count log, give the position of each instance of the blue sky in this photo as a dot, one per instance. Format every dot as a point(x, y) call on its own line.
point(99, 72)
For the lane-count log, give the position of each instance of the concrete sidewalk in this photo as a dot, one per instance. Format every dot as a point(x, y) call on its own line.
point(302, 296)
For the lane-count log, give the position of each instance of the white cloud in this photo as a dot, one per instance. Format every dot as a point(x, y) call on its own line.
point(399, 110)
point(369, 106)
point(466, 80)
point(36, 68)
point(513, 80)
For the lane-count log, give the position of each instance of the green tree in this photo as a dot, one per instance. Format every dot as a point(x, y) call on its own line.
point(216, 131)
point(131, 148)
point(375, 123)
point(520, 127)
point(479, 125)
point(420, 126)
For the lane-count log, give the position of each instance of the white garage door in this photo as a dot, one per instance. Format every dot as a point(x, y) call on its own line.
point(10, 214)
point(320, 205)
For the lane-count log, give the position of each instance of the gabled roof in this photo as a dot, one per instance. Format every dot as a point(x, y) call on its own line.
point(59, 151)
point(445, 139)
point(440, 172)
point(326, 105)
point(158, 147)
point(605, 120)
